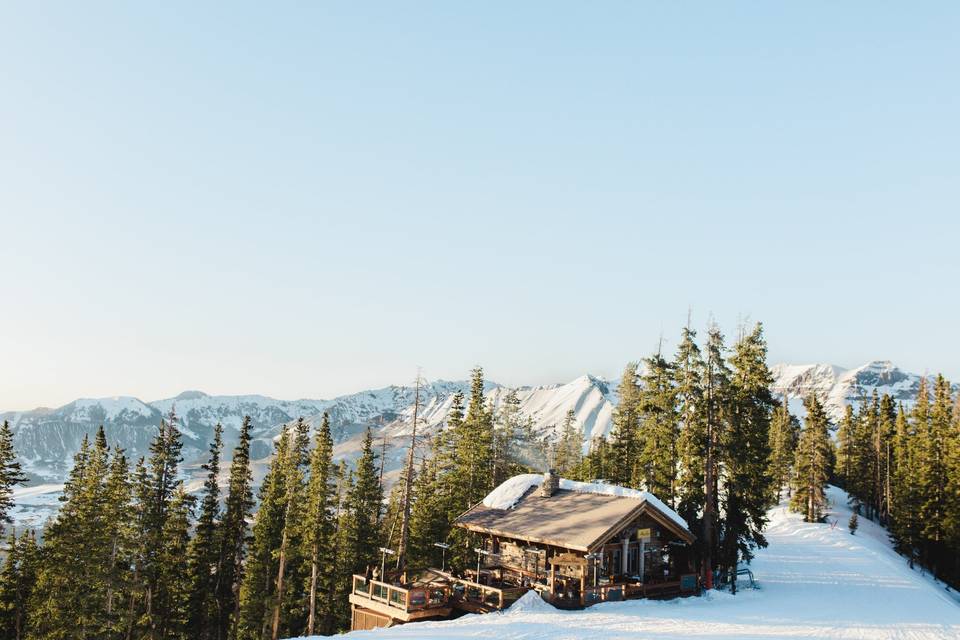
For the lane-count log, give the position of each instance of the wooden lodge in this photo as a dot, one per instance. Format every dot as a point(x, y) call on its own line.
point(582, 543)
point(576, 544)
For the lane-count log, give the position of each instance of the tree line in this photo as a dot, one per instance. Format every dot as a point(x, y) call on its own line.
point(901, 468)
point(131, 554)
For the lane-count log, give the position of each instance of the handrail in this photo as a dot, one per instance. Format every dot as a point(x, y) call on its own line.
point(407, 599)
point(499, 594)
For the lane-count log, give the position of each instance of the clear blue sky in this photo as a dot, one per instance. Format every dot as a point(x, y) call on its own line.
point(307, 199)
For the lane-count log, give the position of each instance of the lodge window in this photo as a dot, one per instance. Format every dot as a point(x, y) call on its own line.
point(633, 560)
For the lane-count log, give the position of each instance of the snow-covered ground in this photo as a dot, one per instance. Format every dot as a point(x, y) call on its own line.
point(815, 581)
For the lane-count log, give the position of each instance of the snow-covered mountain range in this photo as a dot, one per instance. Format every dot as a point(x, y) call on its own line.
point(47, 439)
point(838, 387)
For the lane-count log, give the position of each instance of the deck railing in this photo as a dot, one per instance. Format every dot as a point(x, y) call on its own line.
point(480, 594)
point(683, 585)
point(406, 599)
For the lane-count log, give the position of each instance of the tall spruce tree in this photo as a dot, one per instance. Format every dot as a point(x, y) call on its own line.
point(257, 592)
point(233, 537)
point(846, 432)
point(688, 371)
point(624, 444)
point(933, 468)
point(885, 450)
point(567, 450)
point(428, 518)
point(657, 430)
point(364, 503)
point(337, 614)
point(165, 500)
point(474, 445)
point(118, 531)
point(204, 552)
point(784, 436)
point(11, 473)
point(512, 440)
point(716, 412)
point(905, 525)
point(72, 580)
point(287, 608)
point(746, 490)
point(17, 579)
point(171, 621)
point(812, 462)
point(319, 526)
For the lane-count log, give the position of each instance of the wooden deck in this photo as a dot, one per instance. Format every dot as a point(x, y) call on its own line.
point(399, 603)
point(474, 597)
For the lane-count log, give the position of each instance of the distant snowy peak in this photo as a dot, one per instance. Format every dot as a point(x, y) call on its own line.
point(116, 408)
point(838, 387)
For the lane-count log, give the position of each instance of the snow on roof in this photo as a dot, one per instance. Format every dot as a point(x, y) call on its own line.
point(510, 491)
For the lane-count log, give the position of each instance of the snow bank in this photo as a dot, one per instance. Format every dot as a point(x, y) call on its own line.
point(530, 602)
point(507, 494)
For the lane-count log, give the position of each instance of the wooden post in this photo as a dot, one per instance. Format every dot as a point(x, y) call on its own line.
point(553, 578)
point(583, 586)
point(624, 556)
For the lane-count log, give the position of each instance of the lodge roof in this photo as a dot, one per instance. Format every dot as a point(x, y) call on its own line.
point(579, 520)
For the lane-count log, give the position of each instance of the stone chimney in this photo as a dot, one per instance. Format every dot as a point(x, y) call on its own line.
point(551, 482)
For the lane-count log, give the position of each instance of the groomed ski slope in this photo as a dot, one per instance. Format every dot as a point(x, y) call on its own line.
point(815, 582)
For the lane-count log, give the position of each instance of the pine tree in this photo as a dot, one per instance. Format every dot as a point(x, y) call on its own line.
point(165, 488)
point(812, 462)
point(745, 451)
point(784, 435)
point(567, 450)
point(336, 614)
point(319, 526)
point(10, 621)
point(688, 370)
point(597, 464)
point(118, 529)
point(473, 446)
point(289, 561)
point(11, 474)
point(887, 434)
point(624, 445)
point(716, 411)
point(512, 433)
point(846, 431)
point(174, 583)
point(141, 554)
point(853, 523)
point(657, 434)
point(257, 589)
point(73, 577)
point(204, 552)
point(428, 518)
point(233, 537)
point(364, 501)
point(933, 446)
point(905, 513)
point(17, 580)
point(952, 506)
point(864, 461)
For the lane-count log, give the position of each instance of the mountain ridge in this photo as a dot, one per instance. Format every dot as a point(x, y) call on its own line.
point(46, 439)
